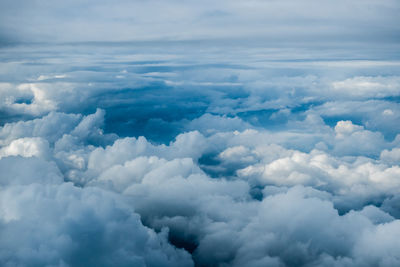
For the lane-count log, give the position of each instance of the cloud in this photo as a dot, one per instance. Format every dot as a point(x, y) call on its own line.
point(352, 137)
point(212, 153)
point(209, 124)
point(390, 156)
point(282, 207)
point(129, 20)
point(375, 115)
point(35, 170)
point(66, 226)
point(51, 127)
point(26, 147)
point(368, 86)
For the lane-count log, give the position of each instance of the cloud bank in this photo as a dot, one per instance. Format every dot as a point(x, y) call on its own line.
point(277, 21)
point(242, 149)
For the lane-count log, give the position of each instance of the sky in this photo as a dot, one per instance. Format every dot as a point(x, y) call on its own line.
point(291, 21)
point(187, 133)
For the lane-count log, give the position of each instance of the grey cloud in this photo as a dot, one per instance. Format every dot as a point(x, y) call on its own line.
point(51, 127)
point(68, 226)
point(130, 20)
point(35, 170)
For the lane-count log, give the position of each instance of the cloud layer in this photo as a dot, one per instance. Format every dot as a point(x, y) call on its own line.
point(217, 153)
point(276, 21)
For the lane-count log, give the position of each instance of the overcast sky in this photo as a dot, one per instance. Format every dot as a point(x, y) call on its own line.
point(123, 20)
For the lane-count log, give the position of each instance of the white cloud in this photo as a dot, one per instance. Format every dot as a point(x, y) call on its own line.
point(164, 184)
point(366, 87)
point(51, 127)
point(66, 225)
point(27, 147)
point(353, 139)
point(391, 156)
point(242, 154)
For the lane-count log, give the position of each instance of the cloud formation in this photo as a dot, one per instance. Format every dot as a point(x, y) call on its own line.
point(288, 20)
point(180, 152)
point(277, 206)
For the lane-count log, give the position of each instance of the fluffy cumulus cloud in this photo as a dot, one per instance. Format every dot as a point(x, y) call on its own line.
point(200, 135)
point(59, 224)
point(219, 198)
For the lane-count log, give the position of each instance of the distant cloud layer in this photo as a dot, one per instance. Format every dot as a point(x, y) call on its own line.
point(274, 141)
point(288, 20)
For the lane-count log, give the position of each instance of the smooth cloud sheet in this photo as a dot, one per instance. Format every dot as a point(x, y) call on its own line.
point(277, 21)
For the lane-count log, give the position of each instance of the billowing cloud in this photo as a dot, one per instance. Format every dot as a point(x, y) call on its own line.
point(70, 226)
point(278, 206)
point(258, 133)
